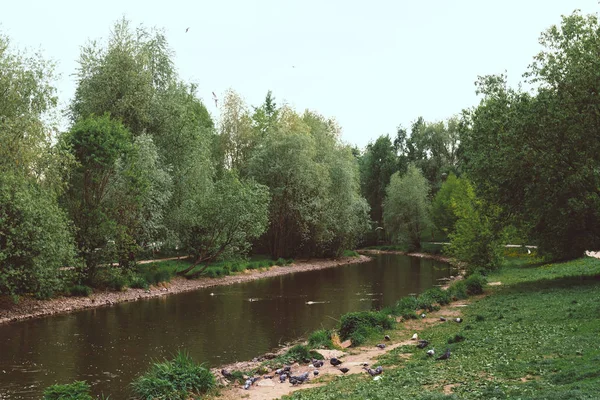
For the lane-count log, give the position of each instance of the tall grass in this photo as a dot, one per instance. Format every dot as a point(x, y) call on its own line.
point(79, 390)
point(177, 379)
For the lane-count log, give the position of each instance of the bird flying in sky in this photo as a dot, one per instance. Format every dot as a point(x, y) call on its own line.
point(186, 30)
point(215, 99)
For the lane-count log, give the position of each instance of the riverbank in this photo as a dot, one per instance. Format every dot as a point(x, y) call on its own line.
point(31, 308)
point(534, 335)
point(431, 256)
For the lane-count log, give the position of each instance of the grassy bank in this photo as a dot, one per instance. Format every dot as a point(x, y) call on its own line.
point(536, 336)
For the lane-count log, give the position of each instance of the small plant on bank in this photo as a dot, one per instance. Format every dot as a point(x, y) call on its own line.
point(358, 326)
point(80, 290)
point(177, 379)
point(458, 290)
point(79, 390)
point(320, 339)
point(350, 253)
point(475, 284)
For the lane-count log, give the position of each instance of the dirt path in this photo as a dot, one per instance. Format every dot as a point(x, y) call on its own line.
point(352, 358)
point(31, 308)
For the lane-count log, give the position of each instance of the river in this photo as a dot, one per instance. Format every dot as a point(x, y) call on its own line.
point(110, 346)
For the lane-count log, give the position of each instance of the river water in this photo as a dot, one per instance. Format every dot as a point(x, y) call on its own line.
point(109, 347)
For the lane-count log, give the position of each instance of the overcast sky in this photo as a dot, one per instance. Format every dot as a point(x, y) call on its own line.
point(372, 65)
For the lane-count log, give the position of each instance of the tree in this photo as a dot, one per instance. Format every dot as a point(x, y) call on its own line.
point(444, 205)
point(224, 221)
point(35, 235)
point(377, 165)
point(97, 143)
point(537, 155)
point(406, 208)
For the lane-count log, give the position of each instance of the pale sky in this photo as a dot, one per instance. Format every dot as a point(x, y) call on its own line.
point(372, 65)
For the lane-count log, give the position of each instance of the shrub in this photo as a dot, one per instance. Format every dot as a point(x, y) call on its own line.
point(363, 323)
point(80, 290)
point(426, 301)
point(350, 253)
point(475, 284)
point(442, 297)
point(154, 276)
point(458, 290)
point(79, 390)
point(176, 379)
point(138, 282)
point(281, 262)
point(320, 339)
point(406, 307)
point(111, 278)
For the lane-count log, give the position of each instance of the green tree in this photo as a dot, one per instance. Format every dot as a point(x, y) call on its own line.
point(97, 144)
point(377, 165)
point(443, 207)
point(537, 155)
point(406, 208)
point(223, 221)
point(35, 236)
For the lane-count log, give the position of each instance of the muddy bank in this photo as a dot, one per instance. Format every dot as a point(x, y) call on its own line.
point(31, 308)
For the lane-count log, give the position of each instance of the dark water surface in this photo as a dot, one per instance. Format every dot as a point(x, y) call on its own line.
point(109, 347)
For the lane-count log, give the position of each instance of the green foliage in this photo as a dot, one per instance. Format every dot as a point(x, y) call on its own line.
point(320, 339)
point(35, 240)
point(177, 379)
point(358, 326)
point(223, 221)
point(454, 191)
point(477, 239)
point(79, 390)
point(80, 290)
point(458, 290)
point(536, 154)
point(475, 284)
point(406, 208)
point(350, 253)
point(438, 295)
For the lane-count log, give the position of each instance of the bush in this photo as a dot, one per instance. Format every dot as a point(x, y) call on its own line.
point(177, 379)
point(426, 302)
point(475, 284)
point(281, 262)
point(458, 290)
point(79, 390)
point(320, 339)
point(442, 297)
point(350, 253)
point(154, 276)
point(80, 290)
point(363, 323)
point(138, 282)
point(405, 307)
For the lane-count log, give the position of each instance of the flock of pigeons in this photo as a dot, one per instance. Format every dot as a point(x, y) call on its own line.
point(285, 373)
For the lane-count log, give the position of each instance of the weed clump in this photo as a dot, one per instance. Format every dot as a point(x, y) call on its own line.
point(176, 379)
point(358, 326)
point(320, 339)
point(475, 284)
point(79, 390)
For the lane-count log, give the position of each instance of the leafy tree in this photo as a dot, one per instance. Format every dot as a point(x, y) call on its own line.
point(476, 239)
point(35, 236)
point(377, 165)
point(406, 208)
point(444, 204)
point(35, 239)
point(223, 221)
point(537, 155)
point(97, 144)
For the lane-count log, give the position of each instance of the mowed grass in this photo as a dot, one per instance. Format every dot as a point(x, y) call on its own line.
point(537, 336)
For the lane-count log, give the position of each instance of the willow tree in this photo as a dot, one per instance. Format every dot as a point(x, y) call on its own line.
point(35, 239)
point(406, 208)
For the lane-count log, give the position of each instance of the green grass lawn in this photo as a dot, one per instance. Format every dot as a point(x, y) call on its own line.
point(537, 336)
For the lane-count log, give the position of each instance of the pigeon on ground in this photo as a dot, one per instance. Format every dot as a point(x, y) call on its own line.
point(414, 337)
point(422, 344)
point(374, 372)
point(335, 362)
point(226, 373)
point(430, 352)
point(287, 368)
point(459, 320)
point(381, 346)
point(387, 337)
point(316, 372)
point(282, 378)
point(423, 315)
point(317, 363)
point(444, 356)
point(442, 319)
point(344, 370)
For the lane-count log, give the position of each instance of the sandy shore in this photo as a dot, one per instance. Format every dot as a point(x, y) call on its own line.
point(31, 308)
point(437, 257)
